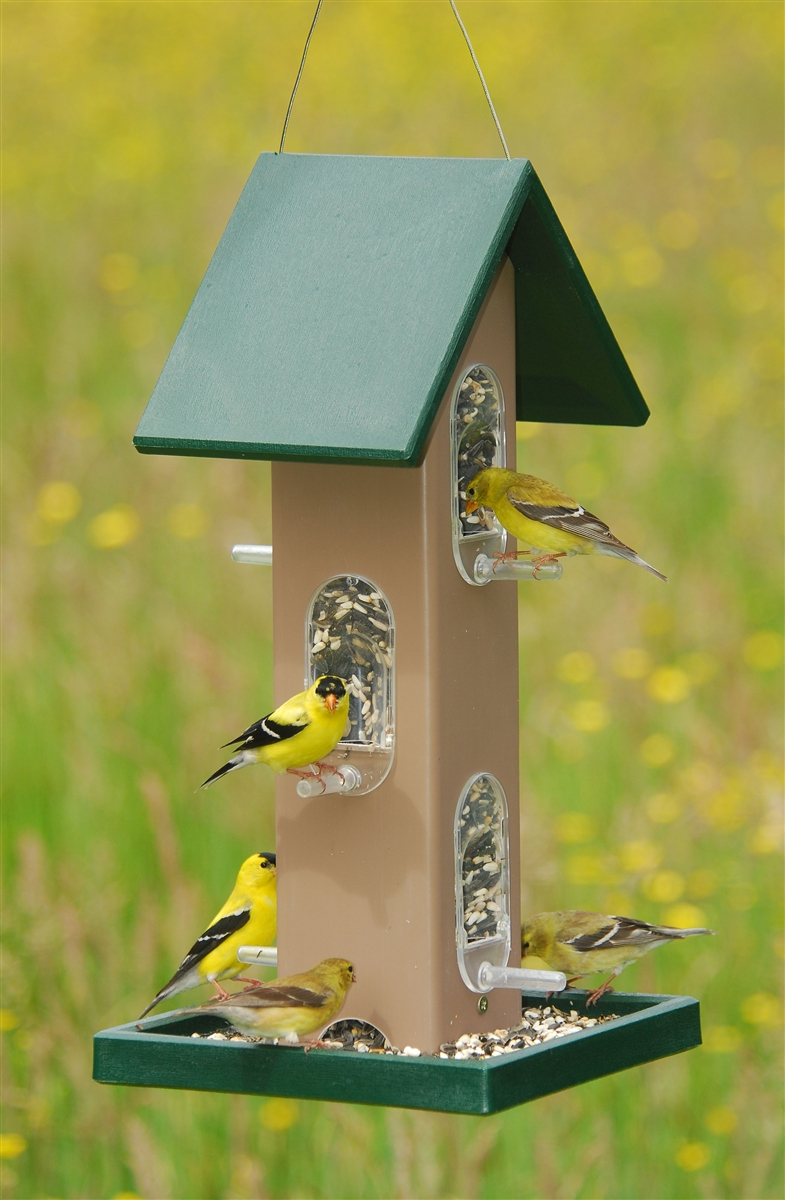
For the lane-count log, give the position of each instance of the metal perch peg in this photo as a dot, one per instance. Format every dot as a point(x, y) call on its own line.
point(260, 956)
point(261, 555)
point(330, 779)
point(486, 569)
point(489, 977)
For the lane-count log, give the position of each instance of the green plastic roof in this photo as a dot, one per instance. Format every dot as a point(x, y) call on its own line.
point(340, 297)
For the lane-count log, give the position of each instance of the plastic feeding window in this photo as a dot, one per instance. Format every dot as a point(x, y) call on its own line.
point(477, 431)
point(350, 632)
point(482, 886)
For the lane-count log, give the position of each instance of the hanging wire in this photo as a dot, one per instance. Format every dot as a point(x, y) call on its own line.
point(454, 8)
point(482, 77)
point(299, 75)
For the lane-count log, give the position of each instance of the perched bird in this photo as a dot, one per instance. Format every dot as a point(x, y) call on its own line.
point(247, 918)
point(289, 1008)
point(580, 943)
point(545, 518)
point(300, 732)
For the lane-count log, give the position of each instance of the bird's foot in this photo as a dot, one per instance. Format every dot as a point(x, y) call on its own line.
point(250, 983)
point(316, 771)
point(325, 766)
point(316, 1044)
point(309, 774)
point(509, 556)
point(220, 993)
point(546, 558)
point(601, 991)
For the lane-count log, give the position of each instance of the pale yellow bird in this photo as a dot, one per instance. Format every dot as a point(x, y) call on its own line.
point(289, 1008)
point(582, 943)
point(545, 518)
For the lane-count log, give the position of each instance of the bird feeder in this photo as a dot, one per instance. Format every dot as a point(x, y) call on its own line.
point(374, 327)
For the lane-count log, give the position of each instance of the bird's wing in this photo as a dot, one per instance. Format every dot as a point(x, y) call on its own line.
point(572, 520)
point(218, 932)
point(269, 995)
point(266, 732)
point(620, 933)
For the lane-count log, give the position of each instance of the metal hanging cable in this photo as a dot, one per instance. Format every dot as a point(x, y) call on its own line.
point(482, 77)
point(454, 8)
point(299, 76)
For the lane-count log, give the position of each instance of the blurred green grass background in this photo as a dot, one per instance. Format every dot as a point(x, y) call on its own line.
point(651, 716)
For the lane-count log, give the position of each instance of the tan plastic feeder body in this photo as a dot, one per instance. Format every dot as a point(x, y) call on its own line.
point(372, 878)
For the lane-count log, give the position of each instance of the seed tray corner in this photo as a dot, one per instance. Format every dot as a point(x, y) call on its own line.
point(163, 1054)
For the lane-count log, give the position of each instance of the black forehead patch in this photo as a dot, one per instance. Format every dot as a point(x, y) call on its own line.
point(331, 685)
point(270, 857)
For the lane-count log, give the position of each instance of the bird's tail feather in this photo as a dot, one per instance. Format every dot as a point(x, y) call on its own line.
point(619, 550)
point(641, 562)
point(164, 993)
point(233, 764)
point(670, 932)
point(186, 976)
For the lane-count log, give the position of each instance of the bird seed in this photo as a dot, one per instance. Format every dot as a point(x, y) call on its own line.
point(484, 902)
point(352, 639)
point(477, 410)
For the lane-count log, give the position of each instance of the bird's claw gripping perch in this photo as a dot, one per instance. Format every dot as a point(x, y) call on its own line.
point(546, 558)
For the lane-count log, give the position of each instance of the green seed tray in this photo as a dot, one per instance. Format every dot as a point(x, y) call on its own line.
point(163, 1054)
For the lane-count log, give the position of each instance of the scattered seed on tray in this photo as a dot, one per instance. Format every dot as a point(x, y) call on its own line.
point(538, 1025)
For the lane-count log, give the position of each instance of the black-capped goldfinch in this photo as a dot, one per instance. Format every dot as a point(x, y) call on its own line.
point(580, 943)
point(297, 734)
point(289, 1008)
point(247, 918)
point(545, 518)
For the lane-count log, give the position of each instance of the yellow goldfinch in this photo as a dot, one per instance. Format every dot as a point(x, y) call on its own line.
point(580, 943)
point(247, 918)
point(300, 732)
point(292, 1007)
point(545, 518)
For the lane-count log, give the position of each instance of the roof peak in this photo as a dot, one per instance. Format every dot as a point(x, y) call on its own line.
point(342, 292)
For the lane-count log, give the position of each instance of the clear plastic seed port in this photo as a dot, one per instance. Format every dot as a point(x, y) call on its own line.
point(482, 887)
point(350, 633)
point(477, 431)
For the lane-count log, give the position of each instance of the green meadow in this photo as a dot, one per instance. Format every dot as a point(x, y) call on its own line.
point(651, 715)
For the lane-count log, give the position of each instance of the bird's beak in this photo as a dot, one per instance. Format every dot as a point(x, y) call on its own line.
point(471, 506)
point(331, 700)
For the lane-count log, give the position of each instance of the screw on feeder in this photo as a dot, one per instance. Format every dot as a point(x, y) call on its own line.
point(482, 1004)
